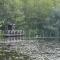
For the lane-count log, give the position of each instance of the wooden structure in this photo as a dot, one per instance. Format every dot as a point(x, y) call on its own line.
point(14, 33)
point(10, 30)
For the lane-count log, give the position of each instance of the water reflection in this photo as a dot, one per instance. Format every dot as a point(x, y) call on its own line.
point(11, 38)
point(48, 48)
point(8, 51)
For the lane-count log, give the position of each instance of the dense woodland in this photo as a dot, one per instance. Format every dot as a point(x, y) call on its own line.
point(33, 16)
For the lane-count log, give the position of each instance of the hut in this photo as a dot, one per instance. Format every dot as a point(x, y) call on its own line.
point(10, 30)
point(10, 26)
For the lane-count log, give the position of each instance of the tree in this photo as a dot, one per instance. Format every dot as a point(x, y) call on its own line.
point(30, 15)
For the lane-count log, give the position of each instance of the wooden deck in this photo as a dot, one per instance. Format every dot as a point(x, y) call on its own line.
point(12, 35)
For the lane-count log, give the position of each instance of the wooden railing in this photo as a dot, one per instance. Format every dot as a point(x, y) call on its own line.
point(13, 33)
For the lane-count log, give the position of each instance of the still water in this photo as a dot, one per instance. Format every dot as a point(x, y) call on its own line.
point(39, 49)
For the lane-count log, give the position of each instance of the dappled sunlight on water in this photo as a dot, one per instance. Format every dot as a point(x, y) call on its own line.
point(37, 49)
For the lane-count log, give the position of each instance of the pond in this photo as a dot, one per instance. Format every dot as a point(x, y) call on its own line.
point(39, 49)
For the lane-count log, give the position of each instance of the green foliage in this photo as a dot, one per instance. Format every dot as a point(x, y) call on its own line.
point(27, 14)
